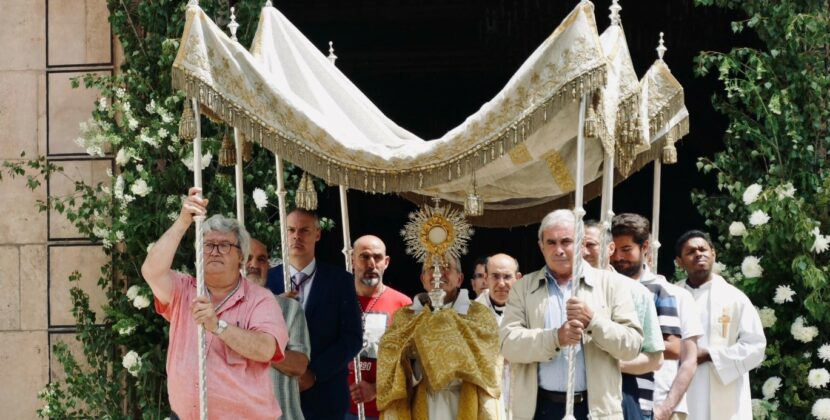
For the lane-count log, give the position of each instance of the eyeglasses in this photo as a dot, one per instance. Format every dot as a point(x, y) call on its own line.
point(222, 247)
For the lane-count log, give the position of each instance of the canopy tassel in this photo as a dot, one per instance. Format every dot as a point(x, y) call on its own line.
point(187, 124)
point(669, 151)
point(474, 205)
point(227, 153)
point(306, 196)
point(247, 150)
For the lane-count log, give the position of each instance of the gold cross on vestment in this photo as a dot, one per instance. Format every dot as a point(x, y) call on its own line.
point(724, 320)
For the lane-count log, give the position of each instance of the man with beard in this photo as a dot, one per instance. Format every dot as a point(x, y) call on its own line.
point(328, 298)
point(378, 302)
point(440, 364)
point(285, 374)
point(661, 393)
point(733, 342)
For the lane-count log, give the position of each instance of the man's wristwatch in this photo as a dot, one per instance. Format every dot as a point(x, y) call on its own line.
point(220, 327)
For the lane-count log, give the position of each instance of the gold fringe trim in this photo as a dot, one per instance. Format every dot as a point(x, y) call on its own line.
point(336, 171)
point(187, 123)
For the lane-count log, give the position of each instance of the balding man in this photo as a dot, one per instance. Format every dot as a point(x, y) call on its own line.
point(285, 374)
point(378, 302)
point(501, 271)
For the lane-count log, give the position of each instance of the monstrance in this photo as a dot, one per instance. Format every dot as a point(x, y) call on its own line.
point(435, 235)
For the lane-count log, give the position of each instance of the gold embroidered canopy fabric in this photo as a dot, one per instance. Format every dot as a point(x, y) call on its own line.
point(520, 146)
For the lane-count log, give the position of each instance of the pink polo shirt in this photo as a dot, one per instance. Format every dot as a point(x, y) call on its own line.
point(237, 387)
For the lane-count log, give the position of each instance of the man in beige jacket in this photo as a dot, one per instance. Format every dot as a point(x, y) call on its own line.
point(545, 314)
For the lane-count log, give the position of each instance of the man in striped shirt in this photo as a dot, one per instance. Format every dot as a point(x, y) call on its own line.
point(285, 374)
point(631, 239)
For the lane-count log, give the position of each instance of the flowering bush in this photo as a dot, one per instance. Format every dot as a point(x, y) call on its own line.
point(136, 122)
point(771, 208)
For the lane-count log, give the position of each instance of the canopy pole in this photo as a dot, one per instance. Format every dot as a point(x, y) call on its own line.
point(286, 272)
point(579, 237)
point(655, 214)
point(344, 217)
point(347, 254)
point(607, 208)
point(200, 264)
point(240, 208)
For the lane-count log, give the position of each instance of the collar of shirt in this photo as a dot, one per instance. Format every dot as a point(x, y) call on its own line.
point(461, 304)
point(309, 269)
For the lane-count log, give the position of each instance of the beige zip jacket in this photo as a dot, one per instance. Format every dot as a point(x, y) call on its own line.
point(613, 334)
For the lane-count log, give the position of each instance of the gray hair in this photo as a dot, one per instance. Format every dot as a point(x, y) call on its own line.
point(557, 218)
point(222, 224)
point(427, 266)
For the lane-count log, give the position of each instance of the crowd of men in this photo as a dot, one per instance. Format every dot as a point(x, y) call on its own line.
point(337, 345)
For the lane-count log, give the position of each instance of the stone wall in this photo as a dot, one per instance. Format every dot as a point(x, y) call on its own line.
point(44, 43)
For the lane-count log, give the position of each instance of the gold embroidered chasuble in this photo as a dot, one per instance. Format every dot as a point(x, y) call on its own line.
point(448, 346)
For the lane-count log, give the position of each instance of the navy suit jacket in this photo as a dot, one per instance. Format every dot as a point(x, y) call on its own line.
point(335, 328)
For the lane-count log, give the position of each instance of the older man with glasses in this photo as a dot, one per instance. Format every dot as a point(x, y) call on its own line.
point(246, 327)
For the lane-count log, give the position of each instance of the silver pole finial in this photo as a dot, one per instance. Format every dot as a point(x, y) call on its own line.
point(193, 3)
point(661, 47)
point(615, 13)
point(233, 26)
point(332, 57)
point(268, 3)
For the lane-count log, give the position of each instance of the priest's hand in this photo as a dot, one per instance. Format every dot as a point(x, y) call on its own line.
point(363, 392)
point(661, 412)
point(579, 310)
point(307, 380)
point(570, 333)
point(203, 313)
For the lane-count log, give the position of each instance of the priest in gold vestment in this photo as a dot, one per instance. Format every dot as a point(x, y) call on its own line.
point(440, 365)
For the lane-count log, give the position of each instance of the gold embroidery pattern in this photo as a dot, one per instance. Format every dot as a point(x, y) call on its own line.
point(519, 155)
point(449, 347)
point(560, 172)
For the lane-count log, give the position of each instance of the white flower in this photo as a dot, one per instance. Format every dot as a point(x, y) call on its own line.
point(783, 293)
point(151, 107)
point(140, 188)
point(751, 267)
point(132, 123)
point(141, 302)
point(131, 362)
point(100, 232)
point(122, 157)
point(771, 386)
point(821, 409)
point(718, 267)
point(46, 411)
point(785, 191)
point(821, 243)
point(163, 133)
point(144, 137)
point(132, 292)
point(737, 229)
point(802, 333)
point(751, 194)
point(188, 161)
point(119, 92)
point(126, 106)
point(102, 103)
point(118, 189)
point(165, 116)
point(126, 330)
point(818, 378)
point(119, 235)
point(139, 167)
point(758, 218)
point(260, 198)
point(767, 316)
point(824, 352)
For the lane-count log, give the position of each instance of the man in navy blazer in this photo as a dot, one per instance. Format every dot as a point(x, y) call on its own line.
point(333, 315)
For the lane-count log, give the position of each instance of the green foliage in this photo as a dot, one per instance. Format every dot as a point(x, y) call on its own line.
point(137, 121)
point(775, 97)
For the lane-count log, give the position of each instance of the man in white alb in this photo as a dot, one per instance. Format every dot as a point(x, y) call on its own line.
point(733, 341)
